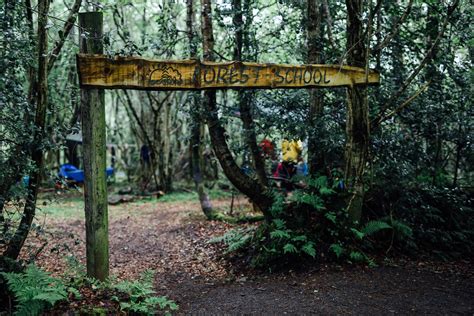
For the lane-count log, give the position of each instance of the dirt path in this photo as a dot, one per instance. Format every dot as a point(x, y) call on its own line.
point(171, 238)
point(378, 291)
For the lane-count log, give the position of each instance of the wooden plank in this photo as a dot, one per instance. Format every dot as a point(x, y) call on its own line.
point(93, 140)
point(98, 71)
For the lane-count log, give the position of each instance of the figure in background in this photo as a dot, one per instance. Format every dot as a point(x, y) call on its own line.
point(292, 162)
point(283, 174)
point(285, 170)
point(113, 156)
point(267, 148)
point(145, 161)
point(291, 150)
point(301, 167)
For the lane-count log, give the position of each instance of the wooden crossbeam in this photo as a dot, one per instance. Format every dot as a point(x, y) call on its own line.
point(99, 71)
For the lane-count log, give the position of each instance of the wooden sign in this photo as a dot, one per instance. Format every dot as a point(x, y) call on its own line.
point(99, 71)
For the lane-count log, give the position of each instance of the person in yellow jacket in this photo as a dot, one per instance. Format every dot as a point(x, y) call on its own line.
point(291, 150)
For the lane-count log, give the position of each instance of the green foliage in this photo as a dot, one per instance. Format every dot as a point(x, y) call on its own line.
point(136, 296)
point(35, 290)
point(140, 296)
point(373, 227)
point(337, 249)
point(276, 243)
point(235, 239)
point(427, 220)
point(315, 226)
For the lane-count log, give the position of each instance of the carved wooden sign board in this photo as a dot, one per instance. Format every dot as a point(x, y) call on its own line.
point(99, 71)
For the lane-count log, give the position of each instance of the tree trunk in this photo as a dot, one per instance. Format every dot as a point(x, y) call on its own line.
point(195, 143)
point(316, 157)
point(435, 144)
point(14, 247)
point(253, 189)
point(357, 123)
point(245, 98)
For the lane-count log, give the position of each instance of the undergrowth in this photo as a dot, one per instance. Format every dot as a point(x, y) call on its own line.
point(35, 291)
point(313, 224)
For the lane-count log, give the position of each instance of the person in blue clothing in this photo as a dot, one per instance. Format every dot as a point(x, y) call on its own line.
point(301, 167)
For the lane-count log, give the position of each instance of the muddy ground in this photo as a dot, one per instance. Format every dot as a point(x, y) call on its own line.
point(172, 239)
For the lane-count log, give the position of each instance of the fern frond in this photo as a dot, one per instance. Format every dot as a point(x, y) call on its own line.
point(373, 227)
point(308, 248)
point(337, 249)
point(278, 233)
point(289, 248)
point(401, 229)
point(357, 256)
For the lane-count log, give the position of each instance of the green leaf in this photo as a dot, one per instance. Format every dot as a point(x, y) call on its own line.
point(326, 191)
point(300, 238)
point(331, 216)
point(360, 235)
point(279, 223)
point(357, 256)
point(51, 298)
point(373, 227)
point(308, 248)
point(277, 233)
point(337, 249)
point(289, 248)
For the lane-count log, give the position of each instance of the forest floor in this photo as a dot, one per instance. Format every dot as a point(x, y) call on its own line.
point(171, 237)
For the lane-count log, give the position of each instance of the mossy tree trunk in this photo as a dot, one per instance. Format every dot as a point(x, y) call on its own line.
point(245, 98)
point(250, 187)
point(357, 122)
point(195, 143)
point(315, 123)
point(41, 89)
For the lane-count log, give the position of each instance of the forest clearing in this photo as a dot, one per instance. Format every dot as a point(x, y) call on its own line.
point(172, 238)
point(236, 157)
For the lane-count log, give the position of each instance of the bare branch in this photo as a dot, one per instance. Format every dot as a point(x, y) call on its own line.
point(64, 33)
point(403, 105)
point(395, 29)
point(422, 65)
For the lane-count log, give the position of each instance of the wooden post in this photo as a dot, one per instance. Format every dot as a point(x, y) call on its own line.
point(93, 140)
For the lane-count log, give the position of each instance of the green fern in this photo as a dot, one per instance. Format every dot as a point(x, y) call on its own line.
point(239, 244)
point(309, 199)
point(35, 290)
point(326, 191)
point(337, 249)
point(373, 227)
point(308, 248)
point(281, 234)
point(300, 238)
point(360, 235)
point(357, 256)
point(289, 248)
point(402, 230)
point(331, 216)
point(142, 297)
point(279, 223)
point(235, 239)
point(318, 183)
